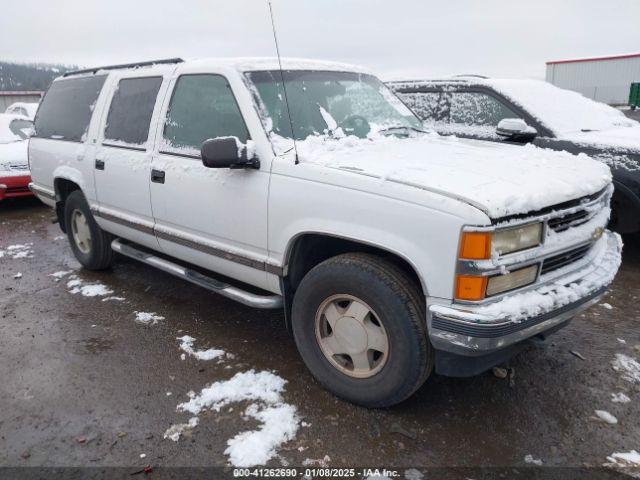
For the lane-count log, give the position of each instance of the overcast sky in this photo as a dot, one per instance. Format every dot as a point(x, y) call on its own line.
point(396, 38)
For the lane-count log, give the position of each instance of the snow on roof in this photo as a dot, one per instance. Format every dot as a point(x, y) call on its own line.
point(619, 56)
point(271, 63)
point(6, 135)
point(242, 64)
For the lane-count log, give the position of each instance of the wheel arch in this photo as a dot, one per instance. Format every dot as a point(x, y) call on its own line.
point(63, 187)
point(308, 249)
point(627, 207)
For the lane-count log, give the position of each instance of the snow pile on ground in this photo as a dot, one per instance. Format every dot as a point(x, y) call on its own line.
point(148, 318)
point(76, 285)
point(628, 367)
point(114, 299)
point(413, 474)
point(531, 460)
point(625, 459)
point(279, 425)
point(620, 398)
point(186, 344)
point(61, 274)
point(606, 416)
point(18, 251)
point(174, 432)
point(279, 420)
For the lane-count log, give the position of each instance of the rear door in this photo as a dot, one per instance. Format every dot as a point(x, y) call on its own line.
point(122, 163)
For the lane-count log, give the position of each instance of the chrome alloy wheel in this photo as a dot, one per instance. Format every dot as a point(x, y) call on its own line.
point(80, 231)
point(351, 336)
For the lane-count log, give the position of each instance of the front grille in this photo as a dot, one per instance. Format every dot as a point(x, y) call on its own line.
point(574, 219)
point(558, 261)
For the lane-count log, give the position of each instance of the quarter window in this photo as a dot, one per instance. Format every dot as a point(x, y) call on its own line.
point(202, 107)
point(131, 109)
point(65, 111)
point(476, 108)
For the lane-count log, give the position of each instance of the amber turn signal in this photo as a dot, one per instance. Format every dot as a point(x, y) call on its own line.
point(475, 245)
point(470, 288)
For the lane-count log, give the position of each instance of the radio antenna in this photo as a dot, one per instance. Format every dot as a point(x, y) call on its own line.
point(284, 87)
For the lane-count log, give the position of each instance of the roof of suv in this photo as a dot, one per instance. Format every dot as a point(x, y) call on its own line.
point(242, 64)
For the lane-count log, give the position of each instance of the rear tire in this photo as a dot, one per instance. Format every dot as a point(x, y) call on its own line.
point(90, 244)
point(359, 323)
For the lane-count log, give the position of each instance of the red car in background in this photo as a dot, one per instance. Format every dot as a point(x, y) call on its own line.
point(15, 131)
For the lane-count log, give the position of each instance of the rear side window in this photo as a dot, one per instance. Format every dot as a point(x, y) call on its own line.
point(130, 111)
point(202, 107)
point(65, 111)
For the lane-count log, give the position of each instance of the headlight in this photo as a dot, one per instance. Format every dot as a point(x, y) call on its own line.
point(480, 245)
point(518, 238)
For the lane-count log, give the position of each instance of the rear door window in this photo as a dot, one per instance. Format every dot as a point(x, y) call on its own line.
point(66, 109)
point(202, 107)
point(131, 110)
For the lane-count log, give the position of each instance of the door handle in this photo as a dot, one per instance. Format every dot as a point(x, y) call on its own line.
point(99, 164)
point(157, 176)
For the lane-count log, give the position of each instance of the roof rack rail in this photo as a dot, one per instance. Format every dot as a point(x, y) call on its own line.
point(125, 65)
point(471, 75)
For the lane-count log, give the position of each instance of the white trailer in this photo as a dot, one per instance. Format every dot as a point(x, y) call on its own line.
point(605, 79)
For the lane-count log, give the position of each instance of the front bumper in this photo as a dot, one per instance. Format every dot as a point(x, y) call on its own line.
point(14, 186)
point(485, 329)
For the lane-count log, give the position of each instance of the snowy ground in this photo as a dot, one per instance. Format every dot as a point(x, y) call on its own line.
point(132, 367)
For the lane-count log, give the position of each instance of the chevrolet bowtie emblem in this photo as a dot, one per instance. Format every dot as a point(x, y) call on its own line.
point(597, 233)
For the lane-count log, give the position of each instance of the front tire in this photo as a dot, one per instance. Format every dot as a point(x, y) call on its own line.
point(90, 244)
point(359, 323)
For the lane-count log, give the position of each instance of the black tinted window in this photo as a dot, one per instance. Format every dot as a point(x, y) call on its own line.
point(202, 107)
point(65, 111)
point(131, 109)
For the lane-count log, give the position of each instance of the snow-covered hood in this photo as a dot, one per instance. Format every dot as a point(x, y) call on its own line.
point(498, 179)
point(623, 138)
point(14, 156)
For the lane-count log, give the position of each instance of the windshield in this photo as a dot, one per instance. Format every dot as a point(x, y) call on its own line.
point(329, 103)
point(563, 111)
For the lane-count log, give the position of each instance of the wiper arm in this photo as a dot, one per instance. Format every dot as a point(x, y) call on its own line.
point(403, 127)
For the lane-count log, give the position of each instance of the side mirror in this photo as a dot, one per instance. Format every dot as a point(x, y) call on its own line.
point(516, 129)
point(227, 152)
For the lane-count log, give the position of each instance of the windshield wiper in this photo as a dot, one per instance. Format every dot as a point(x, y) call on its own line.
point(403, 127)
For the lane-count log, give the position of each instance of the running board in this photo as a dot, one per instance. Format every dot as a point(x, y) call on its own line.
point(224, 289)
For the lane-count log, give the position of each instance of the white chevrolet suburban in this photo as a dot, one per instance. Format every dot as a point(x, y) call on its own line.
point(309, 186)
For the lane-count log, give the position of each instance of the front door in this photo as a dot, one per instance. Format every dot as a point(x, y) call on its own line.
point(213, 218)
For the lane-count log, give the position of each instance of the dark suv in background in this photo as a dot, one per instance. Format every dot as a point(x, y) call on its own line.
point(536, 112)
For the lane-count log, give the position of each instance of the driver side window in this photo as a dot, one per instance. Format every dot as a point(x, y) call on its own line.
point(478, 109)
point(202, 107)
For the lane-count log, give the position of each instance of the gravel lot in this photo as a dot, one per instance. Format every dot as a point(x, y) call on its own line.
point(84, 384)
